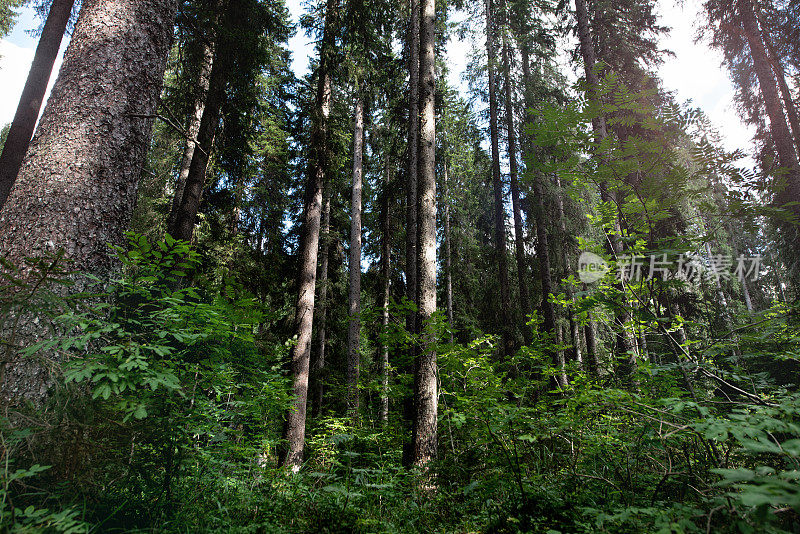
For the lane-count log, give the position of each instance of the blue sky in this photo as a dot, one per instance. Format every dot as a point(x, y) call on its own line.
point(695, 73)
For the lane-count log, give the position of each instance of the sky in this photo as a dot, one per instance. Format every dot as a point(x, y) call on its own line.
point(695, 73)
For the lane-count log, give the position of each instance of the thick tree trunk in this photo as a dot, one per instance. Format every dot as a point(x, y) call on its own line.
point(354, 303)
point(448, 265)
point(318, 366)
point(77, 185)
point(519, 237)
point(195, 121)
point(184, 218)
point(426, 395)
point(499, 209)
point(781, 137)
point(21, 131)
point(386, 265)
point(295, 430)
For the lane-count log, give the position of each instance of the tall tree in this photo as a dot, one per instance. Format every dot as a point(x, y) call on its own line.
point(19, 136)
point(318, 369)
point(386, 273)
point(781, 136)
point(354, 266)
point(413, 57)
point(426, 395)
point(77, 184)
point(295, 429)
point(497, 184)
point(519, 232)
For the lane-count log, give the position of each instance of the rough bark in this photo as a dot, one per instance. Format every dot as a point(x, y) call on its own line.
point(519, 236)
point(354, 267)
point(573, 324)
point(318, 366)
point(195, 120)
point(501, 252)
point(77, 185)
point(781, 137)
point(21, 131)
point(185, 216)
point(386, 265)
point(295, 429)
point(424, 433)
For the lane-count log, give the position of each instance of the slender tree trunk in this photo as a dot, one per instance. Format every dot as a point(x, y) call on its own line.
point(625, 353)
point(295, 429)
point(21, 131)
point(519, 232)
point(592, 362)
point(386, 271)
point(318, 366)
point(77, 185)
point(786, 94)
point(354, 303)
point(781, 137)
point(413, 157)
point(573, 324)
point(195, 121)
point(448, 266)
point(499, 209)
point(426, 395)
point(542, 237)
point(186, 215)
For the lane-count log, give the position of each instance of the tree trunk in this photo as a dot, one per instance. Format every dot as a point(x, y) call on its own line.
point(519, 237)
point(625, 354)
point(499, 209)
point(203, 82)
point(542, 237)
point(426, 396)
point(386, 264)
point(413, 163)
point(21, 131)
point(781, 137)
point(295, 429)
point(318, 367)
point(77, 185)
point(573, 324)
point(183, 220)
point(354, 303)
point(448, 266)
point(786, 94)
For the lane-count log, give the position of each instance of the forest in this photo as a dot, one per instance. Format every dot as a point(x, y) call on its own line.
point(548, 300)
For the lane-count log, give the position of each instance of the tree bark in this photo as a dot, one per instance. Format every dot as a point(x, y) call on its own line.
point(295, 429)
point(424, 433)
point(354, 302)
point(21, 131)
point(386, 265)
point(318, 367)
point(195, 121)
point(499, 209)
point(77, 185)
point(781, 137)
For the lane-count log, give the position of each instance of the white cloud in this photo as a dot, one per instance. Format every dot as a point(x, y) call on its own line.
point(15, 62)
point(696, 73)
point(14, 65)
